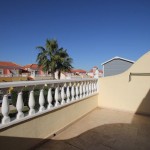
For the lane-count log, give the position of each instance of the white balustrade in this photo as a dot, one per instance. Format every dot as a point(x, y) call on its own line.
point(65, 92)
point(81, 90)
point(31, 103)
point(72, 92)
point(90, 88)
point(77, 91)
point(5, 110)
point(97, 86)
point(41, 100)
point(87, 88)
point(68, 93)
point(49, 98)
point(20, 105)
point(57, 96)
point(62, 95)
point(94, 86)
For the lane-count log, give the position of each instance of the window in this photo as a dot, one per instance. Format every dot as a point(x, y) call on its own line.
point(1, 71)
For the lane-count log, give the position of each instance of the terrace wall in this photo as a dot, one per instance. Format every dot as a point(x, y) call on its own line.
point(129, 91)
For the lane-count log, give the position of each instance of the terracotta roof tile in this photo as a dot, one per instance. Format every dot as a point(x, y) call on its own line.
point(6, 64)
point(95, 67)
point(32, 66)
point(78, 70)
point(101, 71)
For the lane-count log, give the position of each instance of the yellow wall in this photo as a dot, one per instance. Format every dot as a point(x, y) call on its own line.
point(125, 92)
point(31, 132)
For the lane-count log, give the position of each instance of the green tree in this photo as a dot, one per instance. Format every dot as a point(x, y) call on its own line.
point(52, 58)
point(63, 62)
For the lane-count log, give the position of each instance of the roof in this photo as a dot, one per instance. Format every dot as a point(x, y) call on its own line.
point(95, 67)
point(9, 65)
point(100, 71)
point(32, 66)
point(91, 70)
point(117, 58)
point(77, 71)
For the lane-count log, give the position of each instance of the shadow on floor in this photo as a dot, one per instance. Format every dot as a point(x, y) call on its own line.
point(117, 136)
point(17, 143)
point(105, 137)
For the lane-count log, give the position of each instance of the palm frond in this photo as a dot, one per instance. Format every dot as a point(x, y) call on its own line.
point(53, 58)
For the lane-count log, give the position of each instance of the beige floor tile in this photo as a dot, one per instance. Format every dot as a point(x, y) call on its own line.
point(104, 129)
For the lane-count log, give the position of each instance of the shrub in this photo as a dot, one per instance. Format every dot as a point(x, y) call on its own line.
point(25, 95)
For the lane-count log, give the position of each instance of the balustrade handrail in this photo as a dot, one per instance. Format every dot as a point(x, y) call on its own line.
point(59, 94)
point(41, 82)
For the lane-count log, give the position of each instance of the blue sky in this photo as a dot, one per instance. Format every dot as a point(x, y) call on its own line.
point(92, 31)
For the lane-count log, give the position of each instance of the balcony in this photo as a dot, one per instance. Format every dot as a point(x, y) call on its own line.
point(103, 129)
point(58, 104)
point(111, 113)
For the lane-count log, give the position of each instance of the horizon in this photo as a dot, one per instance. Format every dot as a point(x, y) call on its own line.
point(91, 31)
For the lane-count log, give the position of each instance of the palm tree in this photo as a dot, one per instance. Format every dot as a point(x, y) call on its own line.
point(63, 62)
point(52, 58)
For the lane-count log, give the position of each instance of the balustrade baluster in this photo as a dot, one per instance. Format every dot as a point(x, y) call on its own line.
point(49, 98)
point(77, 91)
point(80, 90)
point(72, 92)
point(87, 89)
point(41, 100)
point(62, 95)
point(92, 87)
point(31, 103)
point(83, 89)
point(68, 93)
point(56, 96)
point(5, 110)
point(20, 105)
point(97, 86)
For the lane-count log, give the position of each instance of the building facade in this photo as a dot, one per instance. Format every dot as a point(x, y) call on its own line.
point(95, 72)
point(9, 69)
point(34, 70)
point(116, 66)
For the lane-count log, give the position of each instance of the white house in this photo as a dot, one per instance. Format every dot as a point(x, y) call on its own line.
point(95, 72)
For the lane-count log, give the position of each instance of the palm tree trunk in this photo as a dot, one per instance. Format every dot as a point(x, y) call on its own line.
point(59, 74)
point(53, 75)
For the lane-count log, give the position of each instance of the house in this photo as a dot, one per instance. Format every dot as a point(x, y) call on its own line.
point(9, 69)
point(76, 73)
point(116, 66)
point(93, 73)
point(34, 70)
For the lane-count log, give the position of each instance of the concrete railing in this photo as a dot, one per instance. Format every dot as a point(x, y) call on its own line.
point(59, 93)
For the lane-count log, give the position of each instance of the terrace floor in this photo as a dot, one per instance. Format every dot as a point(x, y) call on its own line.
point(103, 129)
